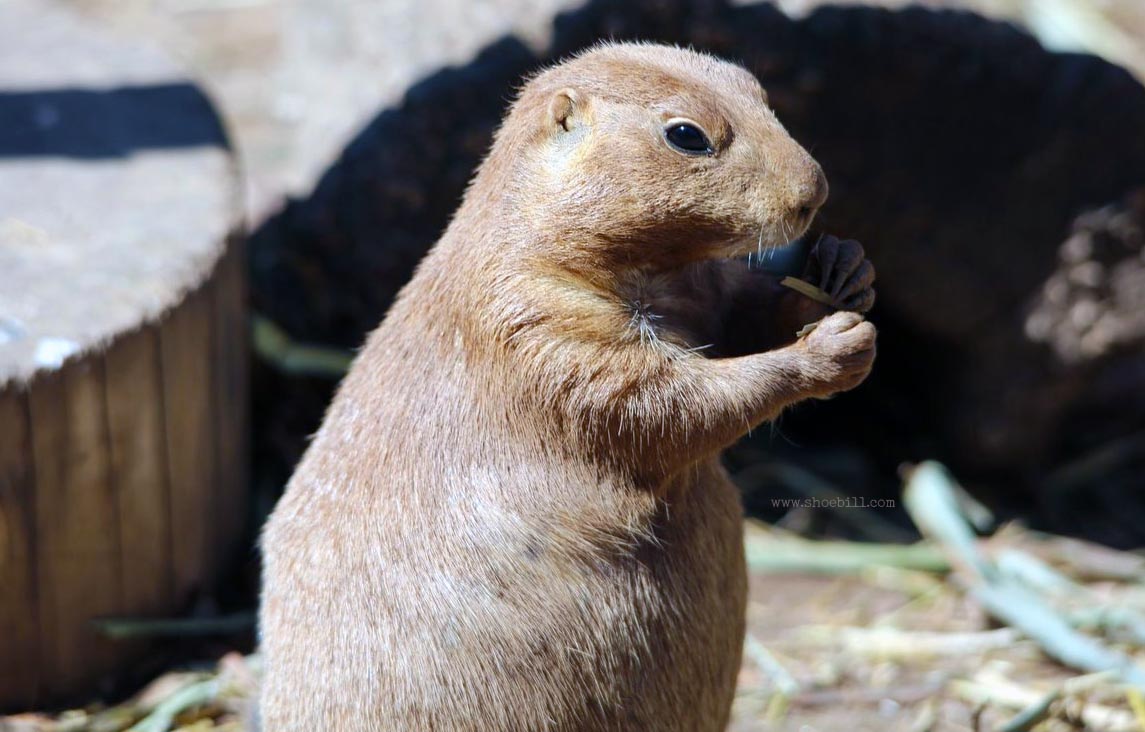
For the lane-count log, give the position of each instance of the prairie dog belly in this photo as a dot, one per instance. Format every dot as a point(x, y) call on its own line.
point(502, 619)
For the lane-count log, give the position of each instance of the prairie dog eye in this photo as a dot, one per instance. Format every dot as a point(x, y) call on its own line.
point(686, 137)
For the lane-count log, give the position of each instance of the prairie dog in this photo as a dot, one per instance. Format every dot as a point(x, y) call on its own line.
point(513, 516)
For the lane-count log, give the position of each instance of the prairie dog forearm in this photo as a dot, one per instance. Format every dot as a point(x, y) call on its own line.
point(675, 409)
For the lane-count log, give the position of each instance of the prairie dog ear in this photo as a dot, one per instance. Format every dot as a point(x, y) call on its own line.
point(567, 110)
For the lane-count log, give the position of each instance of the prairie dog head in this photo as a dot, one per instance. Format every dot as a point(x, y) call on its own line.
point(655, 156)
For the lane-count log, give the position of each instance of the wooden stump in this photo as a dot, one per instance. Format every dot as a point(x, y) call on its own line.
point(122, 348)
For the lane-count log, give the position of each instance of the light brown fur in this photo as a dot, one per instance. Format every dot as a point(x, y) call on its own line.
point(513, 517)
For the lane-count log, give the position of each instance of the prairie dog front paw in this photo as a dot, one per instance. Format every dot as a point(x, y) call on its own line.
point(839, 352)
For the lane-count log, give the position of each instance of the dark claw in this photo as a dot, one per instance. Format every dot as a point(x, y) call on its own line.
point(824, 255)
point(843, 272)
point(862, 278)
point(859, 303)
point(849, 258)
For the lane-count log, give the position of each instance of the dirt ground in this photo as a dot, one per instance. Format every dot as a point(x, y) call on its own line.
point(797, 618)
point(783, 612)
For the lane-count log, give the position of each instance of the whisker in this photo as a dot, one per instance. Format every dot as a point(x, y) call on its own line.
point(773, 246)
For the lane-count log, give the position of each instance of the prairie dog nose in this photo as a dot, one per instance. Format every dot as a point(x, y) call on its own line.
point(813, 194)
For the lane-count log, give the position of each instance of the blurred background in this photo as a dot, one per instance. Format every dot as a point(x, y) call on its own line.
point(299, 78)
point(185, 273)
